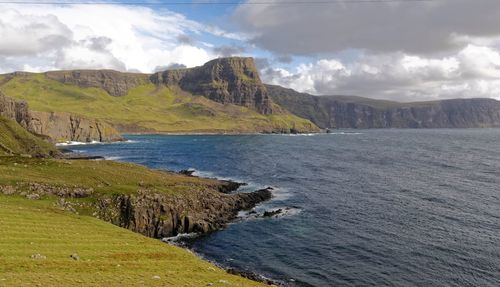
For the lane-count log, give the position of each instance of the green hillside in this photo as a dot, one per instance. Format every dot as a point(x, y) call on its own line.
point(147, 107)
point(15, 140)
point(37, 240)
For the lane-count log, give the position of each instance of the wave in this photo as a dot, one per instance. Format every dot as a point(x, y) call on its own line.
point(248, 187)
point(263, 213)
point(281, 194)
point(345, 133)
point(74, 143)
point(113, 158)
point(179, 237)
point(300, 135)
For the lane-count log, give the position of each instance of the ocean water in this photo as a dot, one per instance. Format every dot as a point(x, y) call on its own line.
point(371, 207)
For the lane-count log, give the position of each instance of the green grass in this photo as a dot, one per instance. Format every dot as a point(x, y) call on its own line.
point(146, 107)
point(109, 255)
point(15, 140)
point(102, 176)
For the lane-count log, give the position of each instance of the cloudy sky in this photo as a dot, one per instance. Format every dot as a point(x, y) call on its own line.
point(405, 50)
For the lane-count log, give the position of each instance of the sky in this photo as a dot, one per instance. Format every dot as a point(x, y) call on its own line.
point(402, 50)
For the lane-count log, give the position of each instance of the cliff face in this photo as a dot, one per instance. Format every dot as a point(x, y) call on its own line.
point(226, 80)
point(159, 215)
point(113, 82)
point(355, 112)
point(11, 109)
point(67, 127)
point(57, 126)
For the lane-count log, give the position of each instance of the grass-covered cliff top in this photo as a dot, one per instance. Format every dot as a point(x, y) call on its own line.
point(101, 175)
point(37, 240)
point(146, 107)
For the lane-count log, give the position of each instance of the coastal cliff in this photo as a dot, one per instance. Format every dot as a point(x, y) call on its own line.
point(57, 126)
point(158, 215)
point(357, 112)
point(154, 203)
point(62, 127)
point(225, 95)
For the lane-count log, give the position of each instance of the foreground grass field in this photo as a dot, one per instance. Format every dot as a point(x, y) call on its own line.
point(37, 241)
point(147, 107)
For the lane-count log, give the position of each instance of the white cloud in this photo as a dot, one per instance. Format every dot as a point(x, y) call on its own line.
point(472, 72)
point(44, 37)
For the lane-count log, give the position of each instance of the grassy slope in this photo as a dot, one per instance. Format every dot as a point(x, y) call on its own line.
point(147, 106)
point(14, 139)
point(102, 176)
point(110, 256)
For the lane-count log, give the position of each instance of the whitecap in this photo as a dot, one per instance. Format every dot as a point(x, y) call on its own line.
point(281, 194)
point(72, 143)
point(180, 237)
point(113, 158)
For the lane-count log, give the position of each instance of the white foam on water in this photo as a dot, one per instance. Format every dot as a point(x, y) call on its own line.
point(281, 194)
point(345, 133)
point(113, 157)
point(300, 135)
point(72, 143)
point(258, 212)
point(179, 237)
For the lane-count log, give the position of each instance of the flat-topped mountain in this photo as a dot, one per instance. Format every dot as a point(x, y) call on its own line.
point(223, 96)
point(358, 112)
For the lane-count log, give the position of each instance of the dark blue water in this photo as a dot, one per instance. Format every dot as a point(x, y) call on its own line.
point(377, 207)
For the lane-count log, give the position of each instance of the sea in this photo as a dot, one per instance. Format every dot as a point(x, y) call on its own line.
point(386, 207)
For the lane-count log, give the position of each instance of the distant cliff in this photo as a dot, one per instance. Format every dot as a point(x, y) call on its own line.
point(57, 126)
point(113, 82)
point(225, 95)
point(226, 80)
point(357, 112)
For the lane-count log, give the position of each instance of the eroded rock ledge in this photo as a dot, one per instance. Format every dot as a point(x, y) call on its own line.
point(159, 215)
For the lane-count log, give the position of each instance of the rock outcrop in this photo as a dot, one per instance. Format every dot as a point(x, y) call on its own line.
point(67, 127)
point(57, 127)
point(356, 112)
point(113, 82)
point(14, 110)
point(226, 80)
point(160, 215)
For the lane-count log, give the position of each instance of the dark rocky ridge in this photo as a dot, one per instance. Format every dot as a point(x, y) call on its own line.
point(357, 112)
point(159, 215)
point(57, 126)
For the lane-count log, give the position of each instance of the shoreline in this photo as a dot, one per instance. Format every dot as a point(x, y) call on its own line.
point(227, 187)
